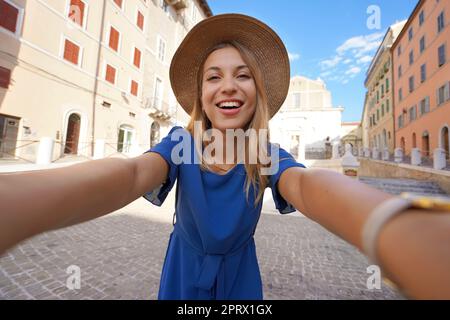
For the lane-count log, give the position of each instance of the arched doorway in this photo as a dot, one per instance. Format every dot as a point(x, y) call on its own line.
point(72, 134)
point(414, 143)
point(402, 144)
point(426, 144)
point(154, 134)
point(445, 142)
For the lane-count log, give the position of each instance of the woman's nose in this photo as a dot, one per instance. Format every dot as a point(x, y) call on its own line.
point(228, 85)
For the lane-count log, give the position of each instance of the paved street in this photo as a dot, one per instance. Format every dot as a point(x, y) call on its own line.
point(120, 257)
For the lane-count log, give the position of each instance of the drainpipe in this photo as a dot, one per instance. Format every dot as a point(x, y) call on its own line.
point(97, 69)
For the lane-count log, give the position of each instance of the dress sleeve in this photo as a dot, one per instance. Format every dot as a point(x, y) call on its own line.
point(164, 149)
point(286, 161)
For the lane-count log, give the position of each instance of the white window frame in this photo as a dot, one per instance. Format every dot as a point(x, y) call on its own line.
point(19, 22)
point(115, 76)
point(62, 47)
point(86, 9)
point(123, 5)
point(139, 88)
point(110, 25)
point(160, 40)
point(162, 91)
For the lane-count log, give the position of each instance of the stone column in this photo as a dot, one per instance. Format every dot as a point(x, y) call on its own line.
point(398, 155)
point(45, 151)
point(375, 153)
point(416, 157)
point(439, 159)
point(386, 154)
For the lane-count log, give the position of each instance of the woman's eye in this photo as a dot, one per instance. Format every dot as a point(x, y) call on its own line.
point(213, 78)
point(245, 76)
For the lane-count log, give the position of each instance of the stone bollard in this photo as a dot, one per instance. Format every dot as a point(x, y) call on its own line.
point(99, 149)
point(335, 151)
point(439, 161)
point(375, 153)
point(386, 154)
point(45, 151)
point(366, 152)
point(349, 163)
point(416, 157)
point(398, 155)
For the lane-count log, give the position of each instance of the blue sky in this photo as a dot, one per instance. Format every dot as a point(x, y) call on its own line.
point(327, 39)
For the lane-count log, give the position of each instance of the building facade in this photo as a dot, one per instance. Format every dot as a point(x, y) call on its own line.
point(307, 122)
point(84, 71)
point(379, 114)
point(422, 79)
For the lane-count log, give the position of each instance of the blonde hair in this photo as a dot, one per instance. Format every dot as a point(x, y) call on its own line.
point(259, 121)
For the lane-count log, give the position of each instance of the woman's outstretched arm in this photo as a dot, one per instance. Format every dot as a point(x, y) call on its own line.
point(413, 248)
point(37, 201)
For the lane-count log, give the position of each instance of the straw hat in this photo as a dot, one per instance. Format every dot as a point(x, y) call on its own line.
point(256, 36)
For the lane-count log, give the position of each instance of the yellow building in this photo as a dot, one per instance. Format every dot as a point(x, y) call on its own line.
point(378, 116)
point(81, 71)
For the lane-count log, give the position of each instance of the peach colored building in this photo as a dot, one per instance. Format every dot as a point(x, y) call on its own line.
point(421, 63)
point(87, 71)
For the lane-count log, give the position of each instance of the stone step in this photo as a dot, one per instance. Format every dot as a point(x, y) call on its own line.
point(397, 186)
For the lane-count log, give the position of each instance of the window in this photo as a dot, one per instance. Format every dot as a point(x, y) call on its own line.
point(410, 34)
point(382, 90)
point(400, 121)
point(400, 94)
point(296, 97)
point(158, 93)
point(412, 113)
point(422, 44)
point(443, 94)
point(411, 57)
point(110, 74)
point(425, 105)
point(382, 110)
point(9, 16)
point(423, 72)
point(134, 89)
point(421, 18)
point(137, 58)
point(125, 139)
point(378, 114)
point(399, 50)
point(411, 84)
point(440, 22)
point(71, 52)
point(118, 3)
point(441, 55)
point(140, 20)
point(378, 96)
point(387, 106)
point(161, 49)
point(77, 12)
point(114, 37)
point(387, 85)
point(5, 77)
point(399, 71)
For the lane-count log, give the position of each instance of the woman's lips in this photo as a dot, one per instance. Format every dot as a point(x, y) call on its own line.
point(230, 112)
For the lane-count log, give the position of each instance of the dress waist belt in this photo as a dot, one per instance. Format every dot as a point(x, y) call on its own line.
point(212, 268)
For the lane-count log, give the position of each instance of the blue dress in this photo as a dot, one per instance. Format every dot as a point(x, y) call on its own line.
point(211, 252)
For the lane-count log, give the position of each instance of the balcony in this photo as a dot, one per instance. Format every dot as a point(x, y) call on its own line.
point(158, 109)
point(177, 4)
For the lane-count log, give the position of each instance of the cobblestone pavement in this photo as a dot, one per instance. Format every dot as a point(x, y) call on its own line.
point(120, 257)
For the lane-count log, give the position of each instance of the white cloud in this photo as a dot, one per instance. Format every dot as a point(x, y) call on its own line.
point(353, 70)
point(361, 43)
point(293, 56)
point(364, 59)
point(347, 61)
point(330, 63)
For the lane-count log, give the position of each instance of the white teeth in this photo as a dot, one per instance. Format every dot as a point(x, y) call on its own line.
point(229, 104)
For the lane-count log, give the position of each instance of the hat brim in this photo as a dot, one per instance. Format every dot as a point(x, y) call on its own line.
point(269, 50)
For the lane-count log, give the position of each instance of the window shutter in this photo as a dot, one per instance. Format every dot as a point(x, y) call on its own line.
point(134, 88)
point(71, 52)
point(118, 2)
point(140, 20)
point(8, 16)
point(137, 57)
point(447, 91)
point(110, 74)
point(114, 39)
point(5, 77)
point(76, 12)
